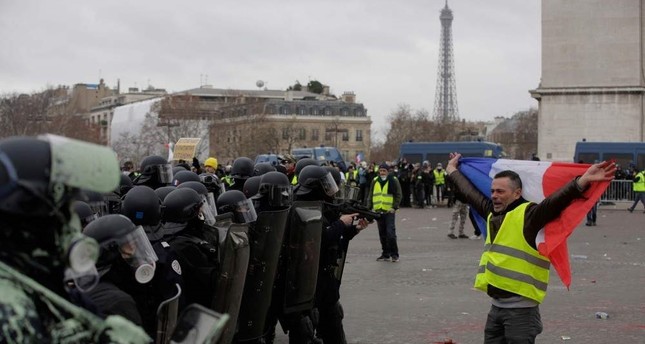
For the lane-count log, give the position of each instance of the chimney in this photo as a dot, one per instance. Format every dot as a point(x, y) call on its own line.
point(348, 97)
point(325, 91)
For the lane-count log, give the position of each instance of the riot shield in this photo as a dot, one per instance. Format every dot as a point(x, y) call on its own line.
point(167, 317)
point(199, 325)
point(340, 263)
point(303, 255)
point(234, 258)
point(265, 237)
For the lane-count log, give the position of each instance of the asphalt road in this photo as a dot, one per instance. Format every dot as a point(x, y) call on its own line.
point(428, 297)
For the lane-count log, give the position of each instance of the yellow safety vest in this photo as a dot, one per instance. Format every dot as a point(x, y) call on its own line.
point(381, 200)
point(640, 185)
point(355, 175)
point(510, 263)
point(439, 177)
point(294, 180)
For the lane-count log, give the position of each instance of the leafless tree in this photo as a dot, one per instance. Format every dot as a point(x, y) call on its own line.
point(43, 112)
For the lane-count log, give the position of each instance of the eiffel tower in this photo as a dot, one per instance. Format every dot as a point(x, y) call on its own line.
point(445, 99)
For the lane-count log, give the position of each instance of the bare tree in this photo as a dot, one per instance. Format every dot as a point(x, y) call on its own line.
point(43, 112)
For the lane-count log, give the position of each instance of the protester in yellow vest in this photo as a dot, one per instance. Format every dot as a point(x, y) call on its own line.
point(386, 196)
point(511, 270)
point(351, 176)
point(439, 182)
point(639, 190)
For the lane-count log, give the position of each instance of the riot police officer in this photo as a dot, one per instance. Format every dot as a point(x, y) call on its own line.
point(262, 168)
point(124, 249)
point(184, 176)
point(241, 170)
point(272, 199)
point(199, 258)
point(319, 185)
point(143, 207)
point(40, 238)
point(155, 172)
point(85, 213)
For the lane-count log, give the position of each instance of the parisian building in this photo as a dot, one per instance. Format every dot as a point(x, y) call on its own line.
point(251, 122)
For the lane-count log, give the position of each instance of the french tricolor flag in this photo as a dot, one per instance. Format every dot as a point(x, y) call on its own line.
point(539, 180)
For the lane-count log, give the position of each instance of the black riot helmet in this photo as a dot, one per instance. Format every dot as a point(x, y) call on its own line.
point(125, 184)
point(242, 168)
point(275, 189)
point(163, 191)
point(95, 200)
point(85, 213)
point(262, 168)
point(251, 186)
point(315, 179)
point(155, 172)
point(184, 176)
point(178, 169)
point(304, 162)
point(209, 209)
point(142, 206)
point(234, 201)
point(182, 205)
point(122, 240)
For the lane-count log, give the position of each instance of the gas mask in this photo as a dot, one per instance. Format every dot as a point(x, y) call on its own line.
point(136, 250)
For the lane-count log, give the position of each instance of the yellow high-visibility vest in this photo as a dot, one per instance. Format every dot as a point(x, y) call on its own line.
point(510, 263)
point(294, 180)
point(640, 185)
point(381, 200)
point(439, 177)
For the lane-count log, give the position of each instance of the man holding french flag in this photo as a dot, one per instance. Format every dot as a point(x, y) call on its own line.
point(526, 226)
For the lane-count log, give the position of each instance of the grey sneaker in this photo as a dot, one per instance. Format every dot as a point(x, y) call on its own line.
point(382, 258)
point(395, 259)
point(475, 237)
point(452, 236)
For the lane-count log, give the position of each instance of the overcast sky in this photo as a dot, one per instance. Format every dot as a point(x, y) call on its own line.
point(385, 51)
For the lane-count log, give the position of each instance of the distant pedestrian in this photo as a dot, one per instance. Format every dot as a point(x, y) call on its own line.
point(459, 211)
point(639, 190)
point(385, 198)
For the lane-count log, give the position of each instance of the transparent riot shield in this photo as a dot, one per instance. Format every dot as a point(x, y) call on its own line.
point(265, 237)
point(167, 317)
point(302, 255)
point(234, 258)
point(199, 325)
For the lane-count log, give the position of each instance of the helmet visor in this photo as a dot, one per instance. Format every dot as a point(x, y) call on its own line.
point(7, 187)
point(135, 248)
point(276, 195)
point(329, 184)
point(83, 165)
point(347, 193)
point(245, 212)
point(164, 173)
point(208, 209)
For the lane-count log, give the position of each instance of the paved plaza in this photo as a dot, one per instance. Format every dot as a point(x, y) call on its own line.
point(428, 297)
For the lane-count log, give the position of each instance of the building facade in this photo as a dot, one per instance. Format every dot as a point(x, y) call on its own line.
point(250, 122)
point(593, 82)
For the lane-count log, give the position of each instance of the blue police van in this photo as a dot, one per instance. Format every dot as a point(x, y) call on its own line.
point(322, 154)
point(435, 152)
point(624, 153)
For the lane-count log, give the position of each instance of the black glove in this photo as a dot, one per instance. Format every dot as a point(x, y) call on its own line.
point(196, 163)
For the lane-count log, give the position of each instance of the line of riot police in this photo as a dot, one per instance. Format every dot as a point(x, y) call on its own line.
point(251, 253)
